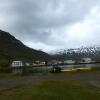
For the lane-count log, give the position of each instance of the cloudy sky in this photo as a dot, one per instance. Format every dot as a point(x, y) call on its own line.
point(52, 24)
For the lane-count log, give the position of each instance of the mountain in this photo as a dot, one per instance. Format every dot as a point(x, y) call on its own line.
point(77, 53)
point(11, 48)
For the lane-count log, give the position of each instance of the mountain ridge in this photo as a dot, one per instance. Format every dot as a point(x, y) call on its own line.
point(77, 53)
point(12, 48)
point(81, 49)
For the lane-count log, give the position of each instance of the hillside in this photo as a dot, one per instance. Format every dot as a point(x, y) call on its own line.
point(11, 48)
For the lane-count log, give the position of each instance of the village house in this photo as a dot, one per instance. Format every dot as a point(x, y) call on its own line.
point(17, 64)
point(17, 67)
point(27, 64)
point(69, 62)
point(86, 60)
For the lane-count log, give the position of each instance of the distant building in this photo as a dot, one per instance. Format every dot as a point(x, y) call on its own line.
point(60, 62)
point(17, 64)
point(37, 62)
point(69, 62)
point(55, 61)
point(27, 64)
point(42, 63)
point(17, 67)
point(86, 60)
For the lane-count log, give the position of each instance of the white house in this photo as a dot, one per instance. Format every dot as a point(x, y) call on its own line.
point(17, 64)
point(86, 60)
point(69, 62)
point(16, 67)
point(42, 63)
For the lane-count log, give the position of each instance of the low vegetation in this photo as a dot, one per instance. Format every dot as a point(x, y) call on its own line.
point(53, 90)
point(4, 63)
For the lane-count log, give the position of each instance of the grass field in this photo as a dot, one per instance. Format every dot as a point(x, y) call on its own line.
point(81, 85)
point(53, 90)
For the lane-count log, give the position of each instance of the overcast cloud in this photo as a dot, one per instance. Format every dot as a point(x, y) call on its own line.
point(52, 24)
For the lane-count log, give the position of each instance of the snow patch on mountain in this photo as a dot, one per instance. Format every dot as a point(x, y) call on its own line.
point(90, 50)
